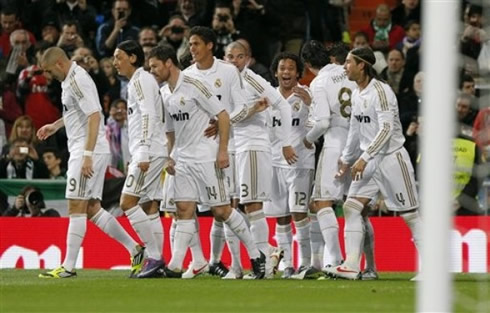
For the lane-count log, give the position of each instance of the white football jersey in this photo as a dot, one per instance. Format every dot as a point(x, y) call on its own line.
point(189, 107)
point(145, 117)
point(252, 133)
point(332, 92)
point(80, 99)
point(375, 123)
point(300, 125)
point(225, 82)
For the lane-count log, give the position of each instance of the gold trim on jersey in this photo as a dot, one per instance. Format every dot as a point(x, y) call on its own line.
point(139, 183)
point(406, 179)
point(76, 90)
point(382, 96)
point(144, 127)
point(139, 90)
point(253, 174)
point(82, 185)
point(221, 183)
point(255, 84)
point(379, 139)
point(240, 116)
point(199, 85)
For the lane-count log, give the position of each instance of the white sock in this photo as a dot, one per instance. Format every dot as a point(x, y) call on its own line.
point(141, 224)
point(238, 226)
point(233, 244)
point(353, 233)
point(260, 231)
point(217, 241)
point(109, 225)
point(198, 258)
point(330, 232)
point(184, 232)
point(368, 247)
point(284, 238)
point(413, 222)
point(317, 243)
point(303, 238)
point(172, 233)
point(157, 229)
point(76, 232)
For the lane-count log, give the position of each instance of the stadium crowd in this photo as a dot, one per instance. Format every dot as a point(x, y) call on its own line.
point(265, 33)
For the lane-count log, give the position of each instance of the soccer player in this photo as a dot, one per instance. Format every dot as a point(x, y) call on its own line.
point(147, 146)
point(253, 146)
point(384, 164)
point(198, 169)
point(225, 82)
point(291, 184)
point(331, 111)
point(89, 158)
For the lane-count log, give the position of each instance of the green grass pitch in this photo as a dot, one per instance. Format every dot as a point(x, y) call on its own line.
point(111, 291)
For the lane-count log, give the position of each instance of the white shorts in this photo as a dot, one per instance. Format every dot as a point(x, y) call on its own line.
point(231, 174)
point(327, 187)
point(393, 176)
point(168, 203)
point(147, 185)
point(81, 188)
point(203, 183)
point(254, 176)
point(291, 189)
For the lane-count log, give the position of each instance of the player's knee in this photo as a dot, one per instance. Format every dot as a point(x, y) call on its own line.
point(127, 202)
point(284, 220)
point(221, 213)
point(299, 216)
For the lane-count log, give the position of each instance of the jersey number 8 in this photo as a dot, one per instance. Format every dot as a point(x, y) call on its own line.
point(345, 102)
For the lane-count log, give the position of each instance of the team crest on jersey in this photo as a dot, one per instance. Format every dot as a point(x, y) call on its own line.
point(296, 106)
point(217, 83)
point(182, 101)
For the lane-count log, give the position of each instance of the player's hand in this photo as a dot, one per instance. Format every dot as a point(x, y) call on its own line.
point(261, 105)
point(223, 159)
point(308, 144)
point(289, 154)
point(144, 166)
point(170, 166)
point(212, 130)
point(87, 168)
point(358, 169)
point(47, 130)
point(342, 169)
point(302, 94)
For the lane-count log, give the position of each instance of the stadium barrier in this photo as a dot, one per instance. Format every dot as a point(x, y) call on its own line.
point(35, 243)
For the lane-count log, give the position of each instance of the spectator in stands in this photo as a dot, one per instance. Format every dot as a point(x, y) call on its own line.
point(70, 38)
point(409, 102)
point(481, 131)
point(23, 128)
point(53, 160)
point(50, 32)
point(20, 57)
point(146, 50)
point(85, 58)
point(407, 10)
point(117, 29)
point(467, 84)
point(194, 12)
point(382, 33)
point(10, 22)
point(117, 134)
point(114, 84)
point(147, 36)
point(253, 64)
point(412, 38)
point(33, 90)
point(473, 33)
point(412, 133)
point(10, 108)
point(361, 40)
point(465, 116)
point(80, 11)
point(224, 27)
point(394, 74)
point(19, 164)
point(175, 33)
point(30, 203)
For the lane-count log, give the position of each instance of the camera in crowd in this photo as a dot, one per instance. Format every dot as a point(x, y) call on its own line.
point(177, 29)
point(34, 198)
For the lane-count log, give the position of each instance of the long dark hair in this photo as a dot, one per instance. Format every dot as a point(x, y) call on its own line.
point(366, 56)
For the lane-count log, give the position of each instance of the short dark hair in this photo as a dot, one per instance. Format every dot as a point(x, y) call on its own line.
point(10, 10)
point(163, 53)
point(315, 53)
point(399, 51)
point(117, 101)
point(287, 55)
point(339, 50)
point(131, 47)
point(205, 33)
point(54, 151)
point(465, 78)
point(225, 4)
point(410, 23)
point(114, 3)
